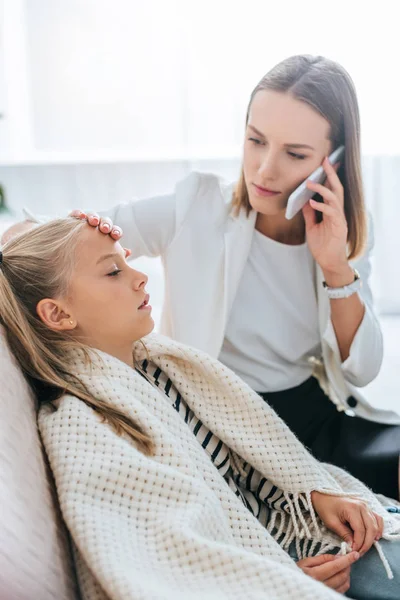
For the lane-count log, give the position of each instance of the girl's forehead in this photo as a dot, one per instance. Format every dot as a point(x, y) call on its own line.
point(93, 244)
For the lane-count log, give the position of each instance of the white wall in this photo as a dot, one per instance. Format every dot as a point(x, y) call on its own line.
point(171, 78)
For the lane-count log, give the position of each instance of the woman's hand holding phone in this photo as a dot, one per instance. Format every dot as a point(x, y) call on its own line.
point(327, 239)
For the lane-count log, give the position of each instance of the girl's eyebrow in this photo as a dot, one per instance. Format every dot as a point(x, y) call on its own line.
point(286, 145)
point(106, 256)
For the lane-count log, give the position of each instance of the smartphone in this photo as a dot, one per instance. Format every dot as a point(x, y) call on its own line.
point(302, 194)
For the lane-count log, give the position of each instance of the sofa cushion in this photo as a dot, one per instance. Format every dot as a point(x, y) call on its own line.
point(34, 551)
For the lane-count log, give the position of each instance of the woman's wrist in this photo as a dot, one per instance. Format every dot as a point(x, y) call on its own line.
point(339, 277)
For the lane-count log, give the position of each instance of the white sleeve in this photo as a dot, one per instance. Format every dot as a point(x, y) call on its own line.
point(366, 351)
point(148, 225)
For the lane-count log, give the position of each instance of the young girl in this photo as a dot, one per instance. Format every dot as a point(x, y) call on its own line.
point(285, 304)
point(175, 479)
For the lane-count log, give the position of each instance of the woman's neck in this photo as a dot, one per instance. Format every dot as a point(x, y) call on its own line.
point(278, 228)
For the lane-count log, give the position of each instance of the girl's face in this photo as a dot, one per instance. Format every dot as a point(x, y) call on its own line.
point(107, 299)
point(286, 140)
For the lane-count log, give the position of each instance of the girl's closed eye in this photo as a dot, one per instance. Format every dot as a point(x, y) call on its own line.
point(114, 273)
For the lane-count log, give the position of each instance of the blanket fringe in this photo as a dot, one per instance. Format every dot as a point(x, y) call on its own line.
point(294, 526)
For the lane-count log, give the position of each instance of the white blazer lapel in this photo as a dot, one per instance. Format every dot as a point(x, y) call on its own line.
point(238, 237)
point(323, 301)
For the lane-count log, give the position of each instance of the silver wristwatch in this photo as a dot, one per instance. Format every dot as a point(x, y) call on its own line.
point(345, 291)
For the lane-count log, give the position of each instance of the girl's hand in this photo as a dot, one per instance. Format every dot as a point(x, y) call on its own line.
point(332, 570)
point(327, 240)
point(350, 519)
point(104, 224)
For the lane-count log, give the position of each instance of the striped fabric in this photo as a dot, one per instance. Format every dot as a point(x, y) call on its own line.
point(256, 492)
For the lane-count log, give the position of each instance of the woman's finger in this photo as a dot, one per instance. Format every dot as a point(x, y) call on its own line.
point(310, 216)
point(116, 232)
point(328, 195)
point(333, 179)
point(327, 210)
point(105, 225)
point(75, 213)
point(93, 219)
point(78, 214)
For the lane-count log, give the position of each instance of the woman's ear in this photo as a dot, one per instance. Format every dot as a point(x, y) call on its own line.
point(54, 315)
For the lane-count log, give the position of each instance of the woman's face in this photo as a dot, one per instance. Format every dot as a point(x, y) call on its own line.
point(106, 296)
point(286, 140)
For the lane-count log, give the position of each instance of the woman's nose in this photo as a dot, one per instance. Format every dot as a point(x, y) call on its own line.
point(269, 166)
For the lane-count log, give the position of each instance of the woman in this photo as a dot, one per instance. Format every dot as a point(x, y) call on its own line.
point(285, 304)
point(173, 475)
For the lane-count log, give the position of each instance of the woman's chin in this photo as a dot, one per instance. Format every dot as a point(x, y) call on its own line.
point(268, 206)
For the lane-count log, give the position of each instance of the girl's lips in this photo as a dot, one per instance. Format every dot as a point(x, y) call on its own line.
point(145, 304)
point(264, 191)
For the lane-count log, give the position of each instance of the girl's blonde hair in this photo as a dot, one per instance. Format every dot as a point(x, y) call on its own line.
point(327, 87)
point(38, 264)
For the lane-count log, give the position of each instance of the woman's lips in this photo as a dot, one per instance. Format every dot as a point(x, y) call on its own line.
point(265, 191)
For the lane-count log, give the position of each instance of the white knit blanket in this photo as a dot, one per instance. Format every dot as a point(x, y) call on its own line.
point(168, 526)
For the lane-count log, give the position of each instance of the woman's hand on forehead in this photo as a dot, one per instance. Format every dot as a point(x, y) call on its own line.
point(104, 224)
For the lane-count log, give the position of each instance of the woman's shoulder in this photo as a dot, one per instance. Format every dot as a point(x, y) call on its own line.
point(206, 185)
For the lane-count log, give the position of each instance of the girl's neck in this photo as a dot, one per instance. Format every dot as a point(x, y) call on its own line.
point(278, 228)
point(124, 354)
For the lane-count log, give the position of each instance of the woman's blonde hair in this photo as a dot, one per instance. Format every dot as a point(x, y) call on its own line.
point(327, 87)
point(38, 264)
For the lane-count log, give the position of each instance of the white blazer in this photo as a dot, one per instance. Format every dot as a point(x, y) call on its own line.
point(204, 249)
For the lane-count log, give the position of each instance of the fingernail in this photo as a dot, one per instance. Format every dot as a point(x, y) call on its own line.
point(106, 226)
point(356, 555)
point(116, 231)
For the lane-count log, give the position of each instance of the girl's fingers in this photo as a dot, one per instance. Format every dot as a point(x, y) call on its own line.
point(381, 525)
point(371, 529)
point(340, 580)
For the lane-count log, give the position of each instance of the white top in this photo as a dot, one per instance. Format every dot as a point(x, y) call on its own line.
point(270, 337)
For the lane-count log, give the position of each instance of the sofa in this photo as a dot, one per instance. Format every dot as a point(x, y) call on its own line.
point(35, 558)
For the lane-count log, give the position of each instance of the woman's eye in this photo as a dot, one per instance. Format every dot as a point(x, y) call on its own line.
point(255, 141)
point(298, 156)
point(114, 273)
